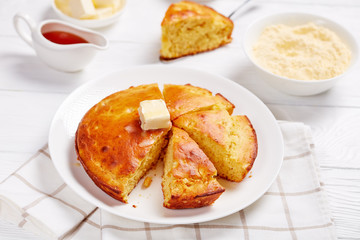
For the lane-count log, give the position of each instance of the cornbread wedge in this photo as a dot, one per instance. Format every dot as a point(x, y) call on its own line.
point(229, 141)
point(181, 99)
point(189, 28)
point(188, 180)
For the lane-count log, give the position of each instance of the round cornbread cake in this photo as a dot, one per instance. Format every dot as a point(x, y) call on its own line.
point(116, 152)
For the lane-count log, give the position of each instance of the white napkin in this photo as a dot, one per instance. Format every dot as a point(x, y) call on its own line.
point(35, 198)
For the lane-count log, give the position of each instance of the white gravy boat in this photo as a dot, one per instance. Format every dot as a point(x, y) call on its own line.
point(63, 57)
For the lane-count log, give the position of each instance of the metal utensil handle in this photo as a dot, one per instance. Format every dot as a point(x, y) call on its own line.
point(245, 2)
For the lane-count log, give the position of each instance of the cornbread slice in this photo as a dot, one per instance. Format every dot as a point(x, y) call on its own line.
point(188, 180)
point(181, 99)
point(111, 146)
point(189, 28)
point(229, 141)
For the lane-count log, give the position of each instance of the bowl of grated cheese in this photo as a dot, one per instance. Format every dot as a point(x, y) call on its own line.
point(299, 53)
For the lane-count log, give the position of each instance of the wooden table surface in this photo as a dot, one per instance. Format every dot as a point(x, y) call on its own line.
point(30, 92)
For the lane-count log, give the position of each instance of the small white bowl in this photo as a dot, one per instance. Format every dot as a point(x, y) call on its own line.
point(292, 86)
point(90, 23)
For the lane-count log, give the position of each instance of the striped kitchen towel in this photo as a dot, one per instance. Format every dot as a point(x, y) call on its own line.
point(35, 198)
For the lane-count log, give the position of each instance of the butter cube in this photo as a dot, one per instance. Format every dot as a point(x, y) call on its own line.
point(114, 4)
point(103, 12)
point(117, 5)
point(154, 114)
point(82, 9)
point(63, 6)
point(103, 3)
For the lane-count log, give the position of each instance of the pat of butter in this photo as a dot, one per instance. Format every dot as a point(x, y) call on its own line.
point(154, 114)
point(82, 9)
point(63, 5)
point(103, 3)
point(103, 12)
point(117, 5)
point(100, 13)
point(114, 4)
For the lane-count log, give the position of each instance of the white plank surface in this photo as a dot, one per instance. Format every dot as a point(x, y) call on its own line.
point(30, 92)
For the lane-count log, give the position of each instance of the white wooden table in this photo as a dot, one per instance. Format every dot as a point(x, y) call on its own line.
point(30, 92)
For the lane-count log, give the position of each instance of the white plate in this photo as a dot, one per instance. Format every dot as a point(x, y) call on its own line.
point(149, 201)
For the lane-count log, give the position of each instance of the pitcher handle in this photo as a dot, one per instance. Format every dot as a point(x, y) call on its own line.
point(31, 24)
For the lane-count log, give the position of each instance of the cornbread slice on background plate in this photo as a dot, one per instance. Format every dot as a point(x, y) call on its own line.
point(189, 176)
point(229, 141)
point(110, 144)
point(189, 28)
point(181, 99)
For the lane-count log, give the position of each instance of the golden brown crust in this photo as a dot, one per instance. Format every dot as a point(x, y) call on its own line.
point(191, 160)
point(193, 16)
point(230, 142)
point(210, 123)
point(188, 180)
point(181, 99)
point(229, 106)
point(110, 142)
point(252, 145)
point(186, 9)
point(180, 201)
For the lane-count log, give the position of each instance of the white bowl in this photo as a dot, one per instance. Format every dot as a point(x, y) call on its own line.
point(90, 23)
point(292, 86)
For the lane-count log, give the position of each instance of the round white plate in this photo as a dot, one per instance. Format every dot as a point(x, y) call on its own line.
point(147, 204)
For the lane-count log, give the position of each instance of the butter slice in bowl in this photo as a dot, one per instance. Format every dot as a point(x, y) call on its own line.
point(89, 13)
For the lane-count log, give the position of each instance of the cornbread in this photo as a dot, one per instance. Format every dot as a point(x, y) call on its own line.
point(112, 147)
point(116, 152)
point(189, 176)
point(229, 141)
point(181, 99)
point(147, 182)
point(304, 52)
point(189, 28)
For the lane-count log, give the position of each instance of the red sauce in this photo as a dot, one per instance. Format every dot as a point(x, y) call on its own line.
point(61, 37)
